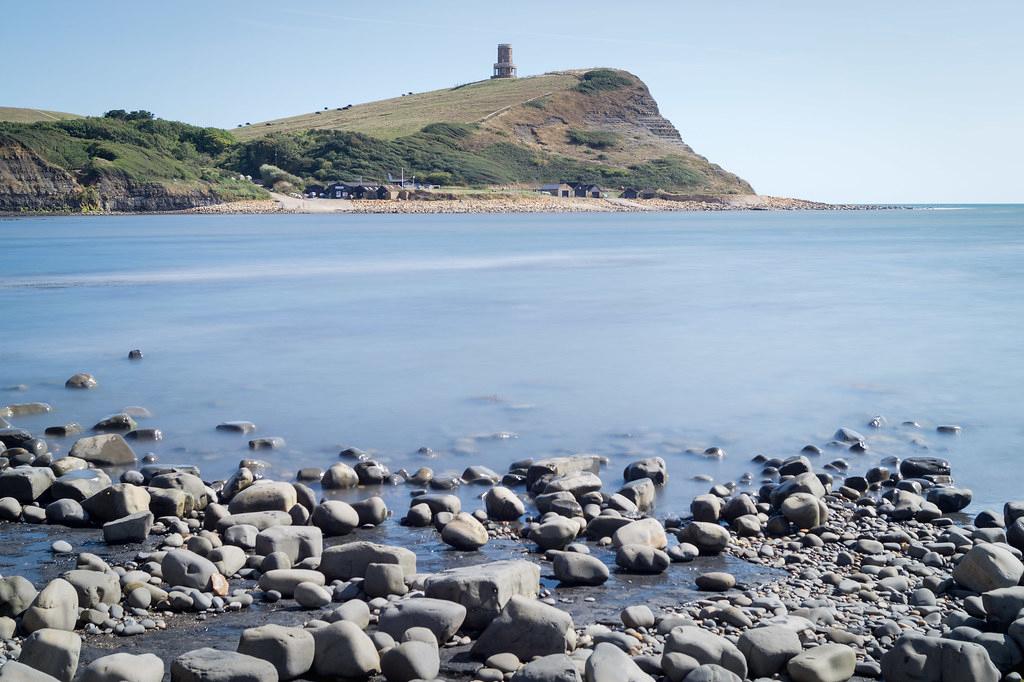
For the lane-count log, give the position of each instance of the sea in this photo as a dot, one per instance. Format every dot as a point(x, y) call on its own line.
point(454, 340)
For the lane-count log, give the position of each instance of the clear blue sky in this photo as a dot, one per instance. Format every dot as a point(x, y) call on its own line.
point(839, 101)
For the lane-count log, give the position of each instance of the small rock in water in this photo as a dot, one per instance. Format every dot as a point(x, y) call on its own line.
point(948, 428)
point(135, 354)
point(62, 547)
point(81, 380)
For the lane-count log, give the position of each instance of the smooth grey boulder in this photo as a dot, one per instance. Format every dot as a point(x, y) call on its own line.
point(768, 649)
point(561, 467)
point(1003, 605)
point(825, 663)
point(116, 502)
point(285, 580)
point(641, 532)
point(502, 504)
point(640, 492)
point(67, 513)
point(609, 663)
point(56, 606)
point(801, 483)
point(932, 659)
point(311, 595)
point(988, 567)
point(574, 568)
point(260, 520)
point(339, 476)
point(335, 518)
point(26, 483)
point(190, 484)
point(948, 499)
point(297, 542)
point(344, 650)
point(121, 667)
point(94, 587)
point(108, 449)
point(264, 496)
point(228, 559)
point(485, 589)
point(706, 647)
point(131, 528)
point(527, 628)
point(464, 533)
point(577, 484)
point(79, 484)
point(350, 560)
point(182, 568)
point(212, 665)
point(804, 510)
point(440, 616)
point(438, 503)
point(553, 668)
point(555, 533)
point(383, 580)
point(16, 595)
point(54, 652)
point(372, 511)
point(708, 538)
point(641, 559)
point(923, 467)
point(354, 611)
point(412, 660)
point(709, 672)
point(289, 650)
point(13, 671)
point(653, 468)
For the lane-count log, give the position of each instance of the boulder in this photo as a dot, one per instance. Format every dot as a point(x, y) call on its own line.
point(335, 518)
point(715, 581)
point(706, 647)
point(54, 652)
point(16, 595)
point(116, 502)
point(768, 649)
point(372, 511)
point(640, 492)
point(286, 580)
point(438, 503)
point(609, 663)
point(188, 483)
point(527, 628)
point(708, 538)
point(932, 659)
point(485, 589)
point(383, 580)
point(298, 542)
point(13, 671)
point(949, 500)
point(555, 533)
point(412, 660)
point(641, 559)
point(561, 467)
point(311, 595)
point(182, 568)
point(577, 484)
point(121, 667)
point(264, 496)
point(574, 568)
point(344, 650)
point(825, 663)
point(79, 484)
point(464, 532)
point(440, 616)
point(108, 449)
point(988, 567)
point(653, 468)
point(55, 606)
point(339, 476)
point(643, 532)
point(131, 528)
point(801, 483)
point(350, 560)
point(212, 665)
point(94, 587)
point(804, 510)
point(553, 668)
point(502, 504)
point(26, 483)
point(923, 467)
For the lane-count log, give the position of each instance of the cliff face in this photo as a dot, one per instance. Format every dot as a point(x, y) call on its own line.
point(119, 193)
point(29, 183)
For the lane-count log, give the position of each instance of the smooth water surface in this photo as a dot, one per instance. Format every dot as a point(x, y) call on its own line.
point(627, 335)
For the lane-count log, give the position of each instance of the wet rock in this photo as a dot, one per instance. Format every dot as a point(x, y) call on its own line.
point(371, 473)
point(768, 649)
point(412, 660)
point(372, 511)
point(10, 509)
point(988, 567)
point(212, 665)
point(188, 483)
point(639, 616)
point(640, 492)
point(464, 533)
point(503, 504)
point(931, 659)
point(486, 588)
point(26, 484)
point(285, 580)
point(527, 628)
point(343, 650)
point(440, 616)
point(439, 503)
point(311, 595)
point(573, 568)
point(653, 468)
point(350, 560)
point(267, 443)
point(577, 484)
point(236, 427)
point(67, 513)
point(846, 435)
point(94, 587)
point(923, 467)
point(802, 483)
point(79, 484)
point(553, 668)
point(63, 431)
point(716, 581)
point(480, 475)
point(560, 467)
point(705, 648)
point(54, 652)
point(825, 663)
point(641, 559)
point(804, 510)
point(707, 508)
point(949, 500)
point(16, 594)
point(55, 606)
point(555, 533)
point(120, 667)
point(339, 476)
point(114, 423)
point(335, 517)
point(708, 538)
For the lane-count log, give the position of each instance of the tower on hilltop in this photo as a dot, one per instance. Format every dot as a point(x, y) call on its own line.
point(504, 68)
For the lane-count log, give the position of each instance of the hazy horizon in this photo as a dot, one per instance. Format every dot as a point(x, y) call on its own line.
point(874, 103)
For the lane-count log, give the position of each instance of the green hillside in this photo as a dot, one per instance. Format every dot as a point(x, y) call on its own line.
point(21, 115)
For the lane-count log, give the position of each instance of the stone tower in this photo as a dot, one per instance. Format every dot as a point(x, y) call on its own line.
point(504, 68)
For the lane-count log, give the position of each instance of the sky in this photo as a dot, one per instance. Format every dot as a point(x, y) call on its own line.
point(868, 101)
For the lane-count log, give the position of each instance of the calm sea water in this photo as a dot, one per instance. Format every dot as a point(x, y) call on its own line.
point(626, 335)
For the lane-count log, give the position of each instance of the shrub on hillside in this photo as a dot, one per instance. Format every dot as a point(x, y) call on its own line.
point(595, 139)
point(600, 80)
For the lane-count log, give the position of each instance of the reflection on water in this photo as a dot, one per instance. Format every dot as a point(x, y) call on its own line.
point(626, 335)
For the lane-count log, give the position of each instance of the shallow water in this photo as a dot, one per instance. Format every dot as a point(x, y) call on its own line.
point(627, 335)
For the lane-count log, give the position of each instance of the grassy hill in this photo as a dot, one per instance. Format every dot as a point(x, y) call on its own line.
point(22, 115)
point(600, 125)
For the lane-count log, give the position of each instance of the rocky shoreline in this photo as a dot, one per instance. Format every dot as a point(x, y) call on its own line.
point(801, 570)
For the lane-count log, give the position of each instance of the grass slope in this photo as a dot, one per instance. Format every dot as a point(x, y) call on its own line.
point(24, 115)
point(400, 116)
